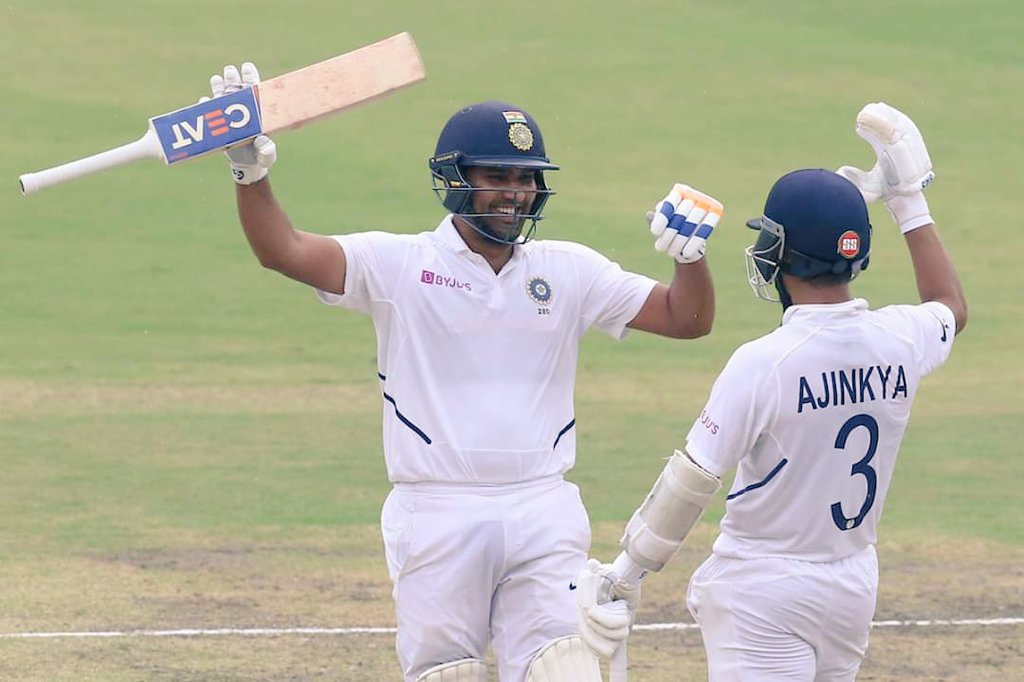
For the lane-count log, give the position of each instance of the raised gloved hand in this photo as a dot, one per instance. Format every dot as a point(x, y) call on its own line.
point(606, 607)
point(683, 221)
point(903, 168)
point(250, 161)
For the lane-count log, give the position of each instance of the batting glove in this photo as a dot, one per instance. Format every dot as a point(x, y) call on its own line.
point(682, 222)
point(903, 169)
point(251, 160)
point(606, 607)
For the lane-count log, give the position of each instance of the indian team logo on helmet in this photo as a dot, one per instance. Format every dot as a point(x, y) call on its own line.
point(539, 290)
point(521, 137)
point(849, 244)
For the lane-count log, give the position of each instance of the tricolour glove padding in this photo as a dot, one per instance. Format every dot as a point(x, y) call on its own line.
point(683, 221)
point(251, 160)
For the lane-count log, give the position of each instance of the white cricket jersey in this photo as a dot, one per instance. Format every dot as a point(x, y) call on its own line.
point(812, 416)
point(477, 369)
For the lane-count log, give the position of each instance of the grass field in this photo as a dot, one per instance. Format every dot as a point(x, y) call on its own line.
point(188, 441)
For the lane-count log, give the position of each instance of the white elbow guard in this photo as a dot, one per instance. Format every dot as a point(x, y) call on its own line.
point(671, 510)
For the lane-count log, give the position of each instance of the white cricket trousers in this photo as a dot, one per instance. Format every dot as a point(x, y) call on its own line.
point(782, 619)
point(476, 564)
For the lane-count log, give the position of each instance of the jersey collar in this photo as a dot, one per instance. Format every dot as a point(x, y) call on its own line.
point(447, 235)
point(819, 311)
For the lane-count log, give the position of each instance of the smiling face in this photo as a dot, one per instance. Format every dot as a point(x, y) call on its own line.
point(502, 199)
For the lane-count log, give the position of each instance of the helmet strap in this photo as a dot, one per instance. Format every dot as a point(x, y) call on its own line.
point(481, 229)
point(784, 298)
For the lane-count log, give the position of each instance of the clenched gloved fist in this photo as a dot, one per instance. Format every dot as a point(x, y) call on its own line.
point(682, 223)
point(250, 161)
point(606, 607)
point(903, 169)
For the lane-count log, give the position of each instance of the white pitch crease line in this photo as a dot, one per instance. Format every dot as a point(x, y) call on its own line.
point(874, 624)
point(939, 622)
point(199, 632)
point(274, 632)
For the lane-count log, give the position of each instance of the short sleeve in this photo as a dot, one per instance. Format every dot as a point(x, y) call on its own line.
point(612, 296)
point(742, 403)
point(930, 327)
point(369, 257)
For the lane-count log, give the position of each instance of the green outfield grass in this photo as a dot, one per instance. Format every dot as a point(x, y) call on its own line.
point(160, 392)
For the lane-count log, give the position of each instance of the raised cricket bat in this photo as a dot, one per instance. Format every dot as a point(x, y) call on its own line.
point(288, 101)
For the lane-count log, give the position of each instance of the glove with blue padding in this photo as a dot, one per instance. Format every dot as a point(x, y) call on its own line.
point(251, 160)
point(682, 223)
point(903, 168)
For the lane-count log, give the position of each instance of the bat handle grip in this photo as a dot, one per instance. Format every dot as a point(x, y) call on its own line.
point(619, 664)
point(146, 146)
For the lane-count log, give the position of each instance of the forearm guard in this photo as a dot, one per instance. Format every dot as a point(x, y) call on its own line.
point(658, 528)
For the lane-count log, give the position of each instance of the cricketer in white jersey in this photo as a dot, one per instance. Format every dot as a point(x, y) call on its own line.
point(477, 369)
point(811, 417)
point(825, 398)
point(478, 330)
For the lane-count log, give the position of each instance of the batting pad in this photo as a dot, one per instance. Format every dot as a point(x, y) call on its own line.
point(465, 670)
point(566, 659)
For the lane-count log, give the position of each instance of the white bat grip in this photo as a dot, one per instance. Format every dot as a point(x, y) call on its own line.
point(146, 146)
point(618, 665)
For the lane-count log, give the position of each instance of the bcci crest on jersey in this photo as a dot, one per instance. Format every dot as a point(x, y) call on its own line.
point(539, 290)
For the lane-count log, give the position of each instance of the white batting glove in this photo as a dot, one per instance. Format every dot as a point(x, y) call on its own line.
point(606, 607)
point(903, 169)
point(682, 223)
point(250, 161)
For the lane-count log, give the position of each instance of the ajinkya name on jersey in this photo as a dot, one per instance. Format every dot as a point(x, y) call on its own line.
point(851, 386)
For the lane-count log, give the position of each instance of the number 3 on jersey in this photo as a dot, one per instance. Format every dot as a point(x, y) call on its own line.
point(862, 468)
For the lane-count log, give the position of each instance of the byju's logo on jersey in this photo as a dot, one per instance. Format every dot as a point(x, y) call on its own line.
point(434, 279)
point(849, 244)
point(539, 290)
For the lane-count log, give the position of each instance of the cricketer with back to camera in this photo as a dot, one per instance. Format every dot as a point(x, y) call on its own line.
point(811, 417)
point(478, 329)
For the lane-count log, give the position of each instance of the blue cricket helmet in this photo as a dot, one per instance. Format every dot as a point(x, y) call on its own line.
point(815, 222)
point(494, 134)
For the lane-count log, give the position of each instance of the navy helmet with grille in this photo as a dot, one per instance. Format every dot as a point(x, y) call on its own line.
point(488, 134)
point(815, 223)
